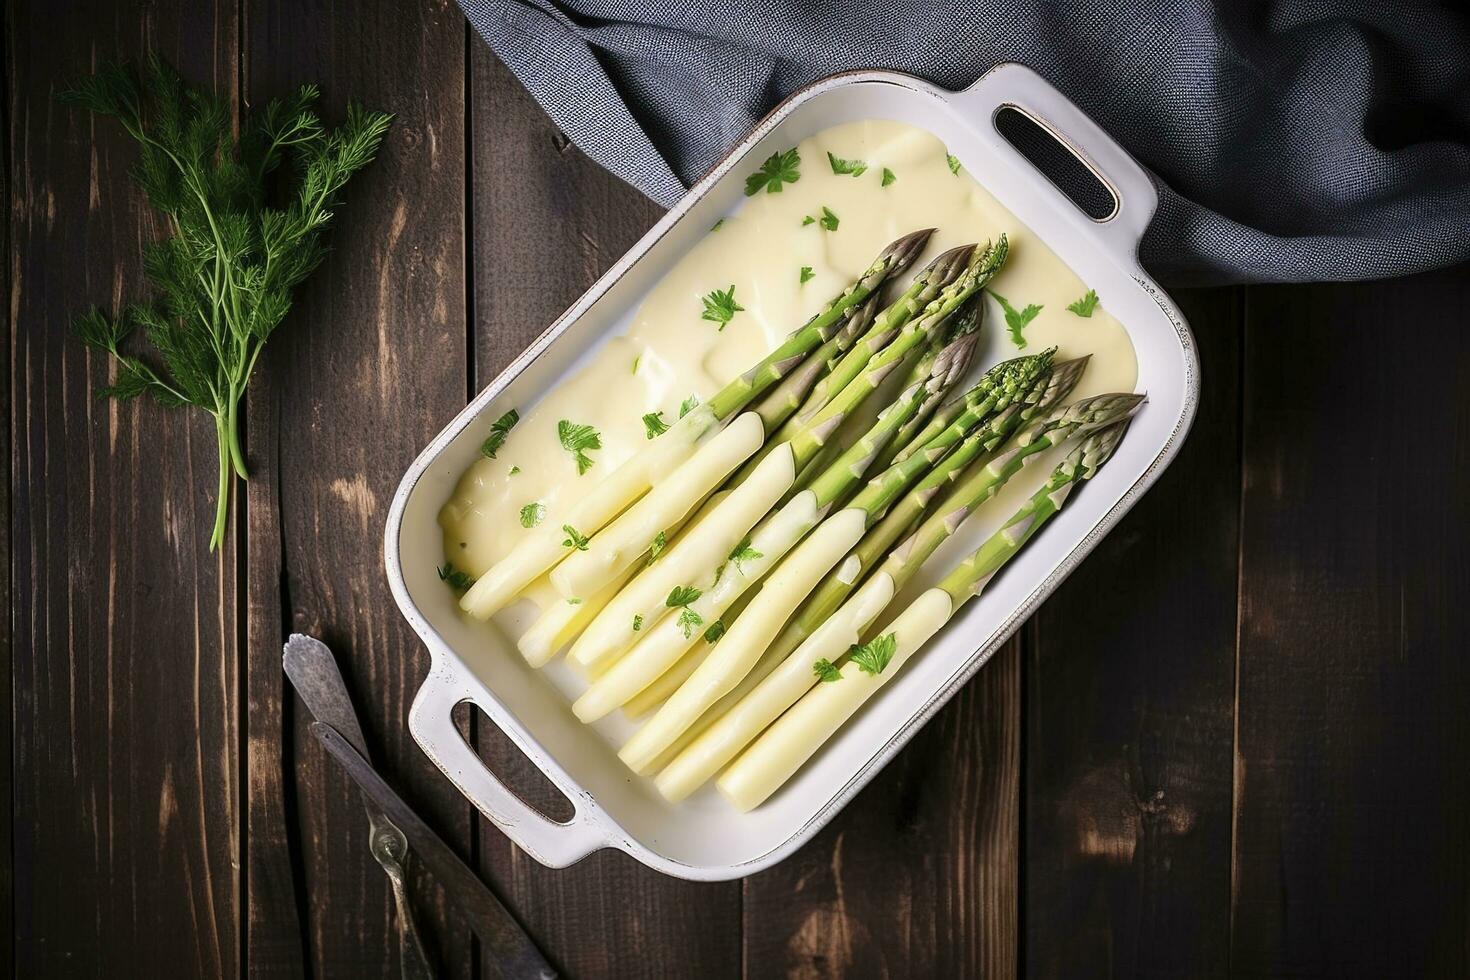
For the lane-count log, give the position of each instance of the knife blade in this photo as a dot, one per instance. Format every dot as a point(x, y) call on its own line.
point(507, 946)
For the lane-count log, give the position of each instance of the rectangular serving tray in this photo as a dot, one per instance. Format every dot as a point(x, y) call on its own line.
point(704, 838)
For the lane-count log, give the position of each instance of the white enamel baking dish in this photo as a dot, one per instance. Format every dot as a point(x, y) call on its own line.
point(704, 838)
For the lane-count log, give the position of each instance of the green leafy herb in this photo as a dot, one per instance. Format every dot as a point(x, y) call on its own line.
point(688, 405)
point(720, 306)
point(574, 540)
point(574, 601)
point(826, 670)
point(637, 622)
point(635, 363)
point(654, 424)
point(1085, 305)
point(1016, 320)
point(533, 513)
point(577, 439)
point(660, 542)
point(715, 631)
point(888, 177)
point(226, 274)
point(874, 655)
point(689, 621)
point(716, 225)
point(808, 220)
point(954, 163)
point(682, 595)
point(499, 430)
point(828, 220)
point(854, 167)
point(744, 552)
point(807, 273)
point(513, 471)
point(458, 580)
point(779, 168)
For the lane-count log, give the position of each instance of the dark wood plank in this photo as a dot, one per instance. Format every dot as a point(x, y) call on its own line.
point(917, 877)
point(370, 364)
point(1129, 692)
point(1353, 796)
point(126, 829)
point(7, 639)
point(546, 223)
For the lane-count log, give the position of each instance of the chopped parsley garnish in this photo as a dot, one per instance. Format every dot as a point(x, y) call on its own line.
point(458, 580)
point(1085, 305)
point(635, 363)
point(637, 622)
point(513, 471)
point(688, 405)
point(840, 166)
point(574, 539)
point(533, 513)
point(874, 655)
point(716, 225)
point(574, 602)
point(807, 273)
point(954, 163)
point(654, 424)
point(715, 631)
point(779, 168)
point(682, 595)
point(720, 306)
point(826, 670)
point(888, 177)
point(744, 552)
point(689, 621)
point(657, 548)
point(577, 439)
point(499, 429)
point(1016, 320)
point(828, 220)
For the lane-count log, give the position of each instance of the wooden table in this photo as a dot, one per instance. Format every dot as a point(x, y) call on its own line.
point(1233, 743)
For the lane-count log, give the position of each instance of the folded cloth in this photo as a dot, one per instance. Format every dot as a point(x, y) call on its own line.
point(1289, 141)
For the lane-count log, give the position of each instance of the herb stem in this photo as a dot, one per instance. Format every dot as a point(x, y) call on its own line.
point(222, 510)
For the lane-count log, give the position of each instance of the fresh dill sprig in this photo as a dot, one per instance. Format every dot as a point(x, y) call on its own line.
point(224, 277)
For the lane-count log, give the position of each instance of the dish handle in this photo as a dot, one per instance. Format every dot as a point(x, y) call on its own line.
point(1014, 85)
point(554, 844)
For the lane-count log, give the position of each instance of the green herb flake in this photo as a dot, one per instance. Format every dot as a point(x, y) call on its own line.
point(533, 513)
point(458, 580)
point(688, 405)
point(888, 177)
point(716, 225)
point(720, 306)
point(779, 169)
point(1016, 320)
point(637, 622)
point(807, 274)
point(808, 220)
point(856, 168)
point(499, 430)
point(513, 471)
point(635, 363)
point(826, 670)
point(715, 631)
point(574, 539)
point(574, 601)
point(660, 542)
point(874, 655)
point(954, 163)
point(689, 621)
point(744, 552)
point(1084, 306)
point(654, 424)
point(828, 219)
point(682, 595)
point(577, 439)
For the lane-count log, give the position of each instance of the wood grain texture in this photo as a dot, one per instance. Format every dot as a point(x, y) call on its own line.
point(917, 876)
point(7, 640)
point(546, 223)
point(1129, 692)
point(125, 695)
point(368, 366)
point(1353, 797)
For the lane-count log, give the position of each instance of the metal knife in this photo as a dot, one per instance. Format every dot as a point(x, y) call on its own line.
point(506, 945)
point(313, 672)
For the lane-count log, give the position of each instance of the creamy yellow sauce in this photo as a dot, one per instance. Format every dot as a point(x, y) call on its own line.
point(671, 352)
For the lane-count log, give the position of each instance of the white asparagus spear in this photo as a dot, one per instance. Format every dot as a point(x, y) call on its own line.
point(619, 545)
point(747, 637)
point(794, 737)
point(712, 537)
point(665, 643)
point(713, 748)
point(563, 620)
